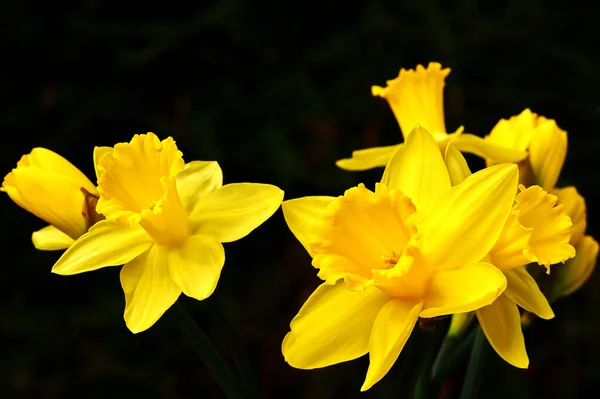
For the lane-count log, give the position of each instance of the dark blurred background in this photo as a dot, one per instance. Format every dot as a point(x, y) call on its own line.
point(276, 92)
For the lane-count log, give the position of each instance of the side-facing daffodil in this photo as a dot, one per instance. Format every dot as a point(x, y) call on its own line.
point(546, 144)
point(165, 221)
point(411, 249)
point(50, 187)
point(417, 98)
point(537, 231)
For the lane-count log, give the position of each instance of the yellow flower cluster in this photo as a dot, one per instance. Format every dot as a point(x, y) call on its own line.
point(432, 239)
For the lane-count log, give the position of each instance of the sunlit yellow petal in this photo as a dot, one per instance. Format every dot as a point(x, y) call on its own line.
point(512, 245)
point(197, 179)
point(574, 206)
point(486, 149)
point(301, 213)
point(524, 291)
point(501, 324)
point(148, 287)
point(547, 152)
point(551, 226)
point(196, 265)
point(418, 170)
point(464, 224)
point(106, 244)
point(234, 210)
point(514, 133)
point(458, 170)
point(569, 277)
point(361, 231)
point(42, 158)
point(417, 98)
point(98, 153)
point(368, 158)
point(333, 326)
point(51, 239)
point(393, 325)
point(463, 289)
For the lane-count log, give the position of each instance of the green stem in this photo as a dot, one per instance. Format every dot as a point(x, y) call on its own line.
point(201, 344)
point(449, 356)
point(475, 367)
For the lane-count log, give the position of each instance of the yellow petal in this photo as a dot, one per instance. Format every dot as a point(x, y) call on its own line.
point(574, 206)
point(522, 289)
point(197, 179)
point(463, 289)
point(368, 158)
point(148, 287)
point(464, 224)
point(514, 133)
point(51, 239)
point(234, 210)
point(332, 327)
point(551, 226)
point(106, 244)
point(196, 265)
point(417, 98)
point(98, 153)
point(569, 277)
point(501, 324)
point(393, 325)
point(418, 170)
point(512, 245)
point(50, 161)
point(301, 213)
point(54, 198)
point(547, 152)
point(458, 170)
point(486, 149)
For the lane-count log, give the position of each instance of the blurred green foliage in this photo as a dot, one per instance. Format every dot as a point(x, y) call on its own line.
point(276, 92)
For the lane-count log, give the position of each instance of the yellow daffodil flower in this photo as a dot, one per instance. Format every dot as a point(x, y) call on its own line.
point(165, 221)
point(411, 249)
point(50, 187)
point(417, 98)
point(537, 231)
point(546, 144)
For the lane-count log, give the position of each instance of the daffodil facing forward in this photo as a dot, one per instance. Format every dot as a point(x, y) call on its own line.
point(50, 187)
point(165, 221)
point(537, 231)
point(546, 144)
point(416, 98)
point(411, 249)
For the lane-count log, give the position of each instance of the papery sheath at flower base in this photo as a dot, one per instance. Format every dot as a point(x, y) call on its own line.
point(537, 231)
point(416, 97)
point(165, 222)
point(51, 188)
point(411, 249)
point(546, 144)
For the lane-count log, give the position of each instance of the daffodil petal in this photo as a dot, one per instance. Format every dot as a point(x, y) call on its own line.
point(463, 289)
point(458, 169)
point(464, 224)
point(501, 324)
point(392, 328)
point(368, 158)
point(98, 153)
point(106, 244)
point(332, 327)
point(574, 206)
point(234, 210)
point(522, 289)
point(197, 179)
point(50, 161)
point(486, 149)
point(547, 152)
point(196, 265)
point(51, 239)
point(569, 277)
point(418, 170)
point(148, 287)
point(301, 213)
